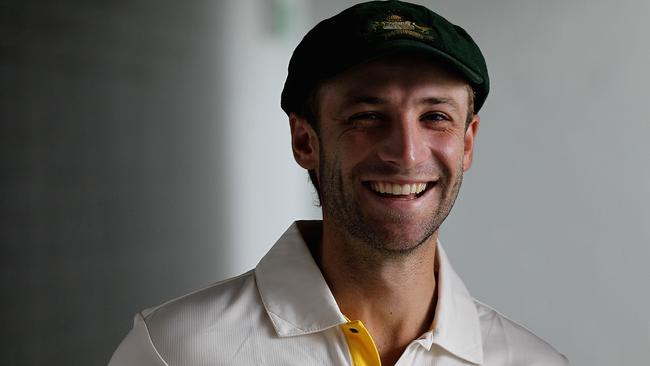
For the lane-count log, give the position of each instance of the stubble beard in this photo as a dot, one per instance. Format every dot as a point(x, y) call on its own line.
point(346, 213)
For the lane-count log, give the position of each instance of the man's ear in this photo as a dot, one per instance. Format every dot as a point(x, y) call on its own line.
point(304, 142)
point(470, 136)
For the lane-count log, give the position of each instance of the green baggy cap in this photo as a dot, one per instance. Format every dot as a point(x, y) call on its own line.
point(380, 28)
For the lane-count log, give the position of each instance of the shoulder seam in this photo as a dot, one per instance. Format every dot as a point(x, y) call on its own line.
point(148, 312)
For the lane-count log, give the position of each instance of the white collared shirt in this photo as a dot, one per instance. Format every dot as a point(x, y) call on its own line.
point(283, 313)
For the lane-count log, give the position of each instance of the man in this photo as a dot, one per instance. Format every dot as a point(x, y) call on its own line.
point(382, 102)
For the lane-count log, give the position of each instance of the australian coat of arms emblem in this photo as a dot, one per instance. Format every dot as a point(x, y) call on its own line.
point(395, 25)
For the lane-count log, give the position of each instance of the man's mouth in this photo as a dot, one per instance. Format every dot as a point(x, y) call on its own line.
point(398, 190)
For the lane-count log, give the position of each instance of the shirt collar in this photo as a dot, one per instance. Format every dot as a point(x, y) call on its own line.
point(456, 325)
point(298, 300)
point(293, 290)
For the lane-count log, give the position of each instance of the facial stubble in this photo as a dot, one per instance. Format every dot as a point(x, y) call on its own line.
point(347, 214)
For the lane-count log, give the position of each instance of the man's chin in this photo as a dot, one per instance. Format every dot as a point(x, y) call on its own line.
point(399, 240)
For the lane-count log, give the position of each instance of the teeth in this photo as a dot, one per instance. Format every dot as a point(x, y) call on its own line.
point(398, 189)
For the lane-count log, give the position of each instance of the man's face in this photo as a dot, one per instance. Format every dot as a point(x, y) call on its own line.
point(391, 150)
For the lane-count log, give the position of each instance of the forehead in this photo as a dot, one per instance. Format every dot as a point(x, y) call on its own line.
point(396, 78)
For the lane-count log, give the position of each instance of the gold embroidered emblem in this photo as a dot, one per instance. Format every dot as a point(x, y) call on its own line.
point(395, 25)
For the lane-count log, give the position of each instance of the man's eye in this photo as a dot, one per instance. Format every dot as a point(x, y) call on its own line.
point(366, 118)
point(435, 117)
point(365, 115)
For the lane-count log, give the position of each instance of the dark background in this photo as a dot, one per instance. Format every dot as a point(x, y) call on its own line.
point(107, 122)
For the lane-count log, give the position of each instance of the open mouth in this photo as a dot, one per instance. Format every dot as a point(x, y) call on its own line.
point(396, 190)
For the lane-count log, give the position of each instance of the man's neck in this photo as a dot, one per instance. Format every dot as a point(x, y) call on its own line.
point(393, 295)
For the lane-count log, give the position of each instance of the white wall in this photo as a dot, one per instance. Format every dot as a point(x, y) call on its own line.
point(552, 224)
point(267, 189)
point(552, 227)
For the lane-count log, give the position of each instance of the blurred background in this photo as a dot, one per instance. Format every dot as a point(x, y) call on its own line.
point(144, 154)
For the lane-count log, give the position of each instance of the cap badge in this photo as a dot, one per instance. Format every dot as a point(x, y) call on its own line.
point(394, 25)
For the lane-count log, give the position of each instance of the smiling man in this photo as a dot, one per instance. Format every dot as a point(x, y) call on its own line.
point(382, 102)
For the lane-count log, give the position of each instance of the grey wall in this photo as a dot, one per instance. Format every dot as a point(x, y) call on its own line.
point(143, 154)
point(553, 224)
point(110, 167)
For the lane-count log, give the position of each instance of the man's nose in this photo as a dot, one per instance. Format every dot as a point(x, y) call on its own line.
point(404, 144)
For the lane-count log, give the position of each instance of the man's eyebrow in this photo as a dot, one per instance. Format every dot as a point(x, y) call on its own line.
point(363, 100)
point(377, 101)
point(440, 100)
